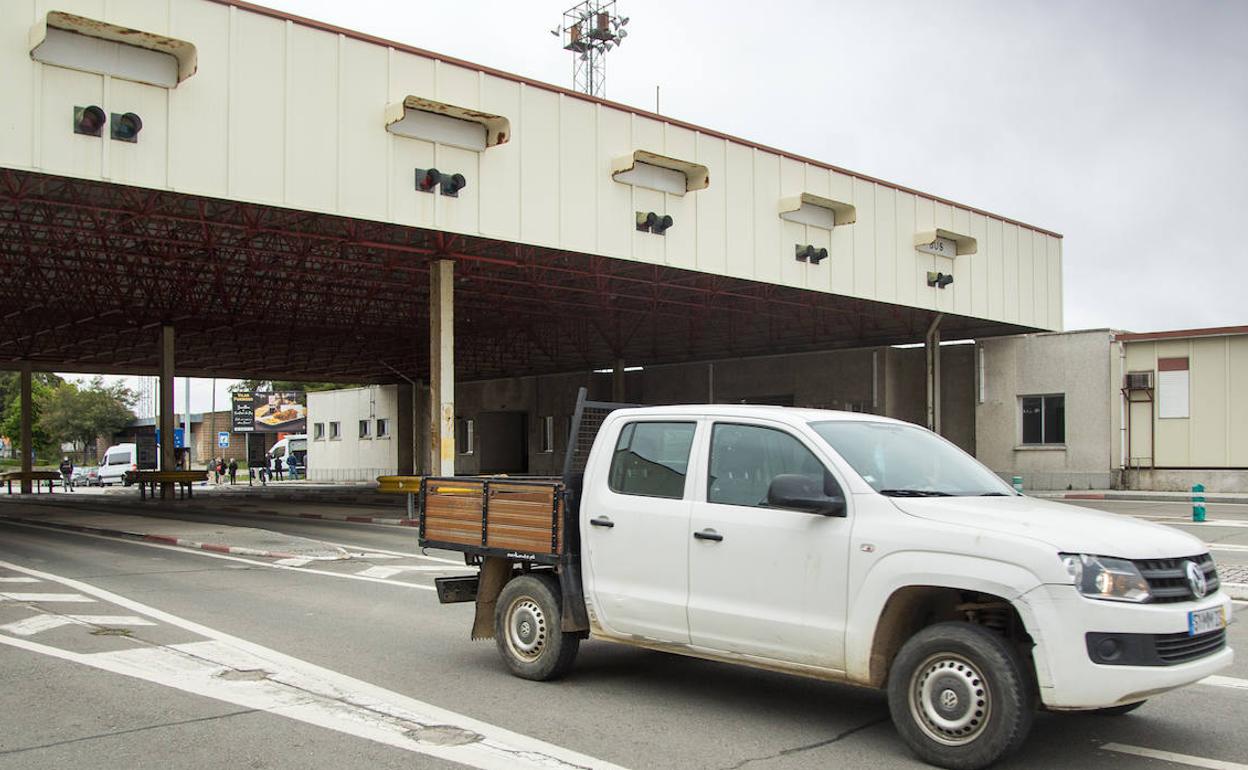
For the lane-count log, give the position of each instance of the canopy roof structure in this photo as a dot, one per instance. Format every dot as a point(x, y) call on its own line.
point(89, 271)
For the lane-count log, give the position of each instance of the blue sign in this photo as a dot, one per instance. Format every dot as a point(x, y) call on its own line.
point(223, 439)
point(179, 438)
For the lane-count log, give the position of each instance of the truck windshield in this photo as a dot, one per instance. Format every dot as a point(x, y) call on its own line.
point(906, 461)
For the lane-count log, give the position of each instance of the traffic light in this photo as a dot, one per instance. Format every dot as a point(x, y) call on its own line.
point(427, 179)
point(650, 222)
point(89, 120)
point(452, 184)
point(126, 127)
point(808, 253)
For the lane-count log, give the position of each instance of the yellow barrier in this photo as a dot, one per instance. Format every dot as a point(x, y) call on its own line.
point(399, 485)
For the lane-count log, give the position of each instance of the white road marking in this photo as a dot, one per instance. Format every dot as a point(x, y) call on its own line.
point(298, 690)
point(1179, 521)
point(226, 557)
point(385, 572)
point(46, 598)
point(405, 554)
point(1225, 681)
point(18, 580)
point(292, 562)
point(37, 623)
point(1227, 547)
point(1170, 756)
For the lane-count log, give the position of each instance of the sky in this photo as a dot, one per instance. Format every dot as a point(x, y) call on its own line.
point(1122, 124)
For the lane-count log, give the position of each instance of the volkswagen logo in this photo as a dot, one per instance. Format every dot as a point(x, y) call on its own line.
point(1196, 579)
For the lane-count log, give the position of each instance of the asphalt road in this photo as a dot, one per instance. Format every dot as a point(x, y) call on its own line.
point(354, 664)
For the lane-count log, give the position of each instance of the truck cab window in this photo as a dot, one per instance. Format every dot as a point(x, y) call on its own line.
point(651, 459)
point(745, 459)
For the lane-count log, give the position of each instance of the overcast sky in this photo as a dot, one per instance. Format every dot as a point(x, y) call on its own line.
point(1121, 124)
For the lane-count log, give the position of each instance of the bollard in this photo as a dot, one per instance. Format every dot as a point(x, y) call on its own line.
point(1018, 484)
point(1198, 502)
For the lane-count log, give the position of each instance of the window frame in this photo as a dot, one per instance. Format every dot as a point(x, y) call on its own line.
point(546, 435)
point(690, 468)
point(1044, 408)
point(828, 467)
point(366, 430)
point(378, 431)
point(318, 431)
point(335, 430)
point(469, 427)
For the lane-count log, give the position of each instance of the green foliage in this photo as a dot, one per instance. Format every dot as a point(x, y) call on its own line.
point(311, 387)
point(80, 414)
point(41, 386)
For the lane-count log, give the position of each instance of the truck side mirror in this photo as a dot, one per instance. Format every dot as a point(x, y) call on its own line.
point(803, 493)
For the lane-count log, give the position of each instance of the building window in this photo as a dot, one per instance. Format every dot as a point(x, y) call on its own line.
point(366, 429)
point(1044, 419)
point(335, 431)
point(318, 431)
point(383, 427)
point(465, 435)
point(548, 434)
point(1173, 386)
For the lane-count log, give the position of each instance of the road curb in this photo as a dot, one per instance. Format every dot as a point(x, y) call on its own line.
point(391, 521)
point(1155, 497)
point(165, 540)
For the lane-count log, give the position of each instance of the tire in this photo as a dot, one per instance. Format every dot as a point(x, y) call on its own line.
point(1115, 711)
point(960, 696)
point(526, 629)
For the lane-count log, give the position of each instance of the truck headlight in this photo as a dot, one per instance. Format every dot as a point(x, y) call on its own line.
point(1100, 577)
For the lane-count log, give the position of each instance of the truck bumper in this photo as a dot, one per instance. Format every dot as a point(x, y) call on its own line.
point(1069, 679)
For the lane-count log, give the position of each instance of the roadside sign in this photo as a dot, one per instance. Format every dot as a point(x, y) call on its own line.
point(179, 438)
point(223, 439)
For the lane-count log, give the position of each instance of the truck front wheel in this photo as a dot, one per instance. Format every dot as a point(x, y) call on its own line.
point(526, 623)
point(960, 696)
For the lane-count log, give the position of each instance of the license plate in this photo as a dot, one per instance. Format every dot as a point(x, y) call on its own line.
point(1204, 621)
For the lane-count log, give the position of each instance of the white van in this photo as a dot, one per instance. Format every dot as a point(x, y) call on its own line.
point(118, 459)
point(296, 444)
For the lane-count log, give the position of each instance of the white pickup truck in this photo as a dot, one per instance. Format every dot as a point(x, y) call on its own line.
point(841, 546)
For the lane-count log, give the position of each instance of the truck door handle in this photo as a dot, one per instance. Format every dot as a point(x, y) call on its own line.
point(602, 521)
point(708, 534)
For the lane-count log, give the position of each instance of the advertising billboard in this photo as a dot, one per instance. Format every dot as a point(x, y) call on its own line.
point(284, 411)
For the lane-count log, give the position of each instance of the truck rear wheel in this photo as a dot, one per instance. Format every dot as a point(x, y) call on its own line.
point(960, 696)
point(526, 623)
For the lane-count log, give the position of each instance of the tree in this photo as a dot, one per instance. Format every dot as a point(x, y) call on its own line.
point(41, 386)
point(79, 414)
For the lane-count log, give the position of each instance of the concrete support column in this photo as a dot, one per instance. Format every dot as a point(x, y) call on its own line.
point(26, 436)
point(442, 367)
point(618, 389)
point(404, 430)
point(932, 346)
point(167, 419)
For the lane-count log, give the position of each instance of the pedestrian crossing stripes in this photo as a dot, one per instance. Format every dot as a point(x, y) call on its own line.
point(38, 623)
point(12, 597)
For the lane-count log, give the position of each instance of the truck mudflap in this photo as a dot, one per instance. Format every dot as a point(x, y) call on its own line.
point(495, 572)
point(575, 616)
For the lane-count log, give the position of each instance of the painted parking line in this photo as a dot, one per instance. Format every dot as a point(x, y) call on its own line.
point(39, 623)
point(18, 580)
point(1170, 756)
point(242, 673)
point(1225, 681)
point(44, 598)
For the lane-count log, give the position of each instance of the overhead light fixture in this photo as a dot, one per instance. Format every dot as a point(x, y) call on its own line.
point(650, 222)
point(939, 280)
point(126, 127)
point(89, 120)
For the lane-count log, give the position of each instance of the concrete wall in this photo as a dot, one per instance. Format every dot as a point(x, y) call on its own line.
point(1215, 432)
point(239, 128)
point(349, 457)
point(1082, 366)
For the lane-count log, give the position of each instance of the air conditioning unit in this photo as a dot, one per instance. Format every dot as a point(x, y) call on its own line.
point(1139, 380)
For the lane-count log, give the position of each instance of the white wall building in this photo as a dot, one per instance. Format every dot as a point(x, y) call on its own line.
point(353, 433)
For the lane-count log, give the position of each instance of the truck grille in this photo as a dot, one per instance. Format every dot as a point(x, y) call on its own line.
point(1167, 578)
point(1180, 648)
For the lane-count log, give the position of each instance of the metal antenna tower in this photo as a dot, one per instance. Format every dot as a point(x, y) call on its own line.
point(590, 29)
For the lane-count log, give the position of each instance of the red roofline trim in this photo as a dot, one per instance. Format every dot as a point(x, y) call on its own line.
point(364, 37)
point(1213, 331)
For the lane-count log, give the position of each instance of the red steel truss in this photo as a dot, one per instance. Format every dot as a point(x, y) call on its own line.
point(89, 271)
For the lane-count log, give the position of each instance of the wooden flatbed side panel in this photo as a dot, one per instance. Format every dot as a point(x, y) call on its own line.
point(519, 516)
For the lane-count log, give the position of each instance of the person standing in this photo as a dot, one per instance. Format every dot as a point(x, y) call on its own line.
point(292, 463)
point(233, 469)
point(67, 474)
